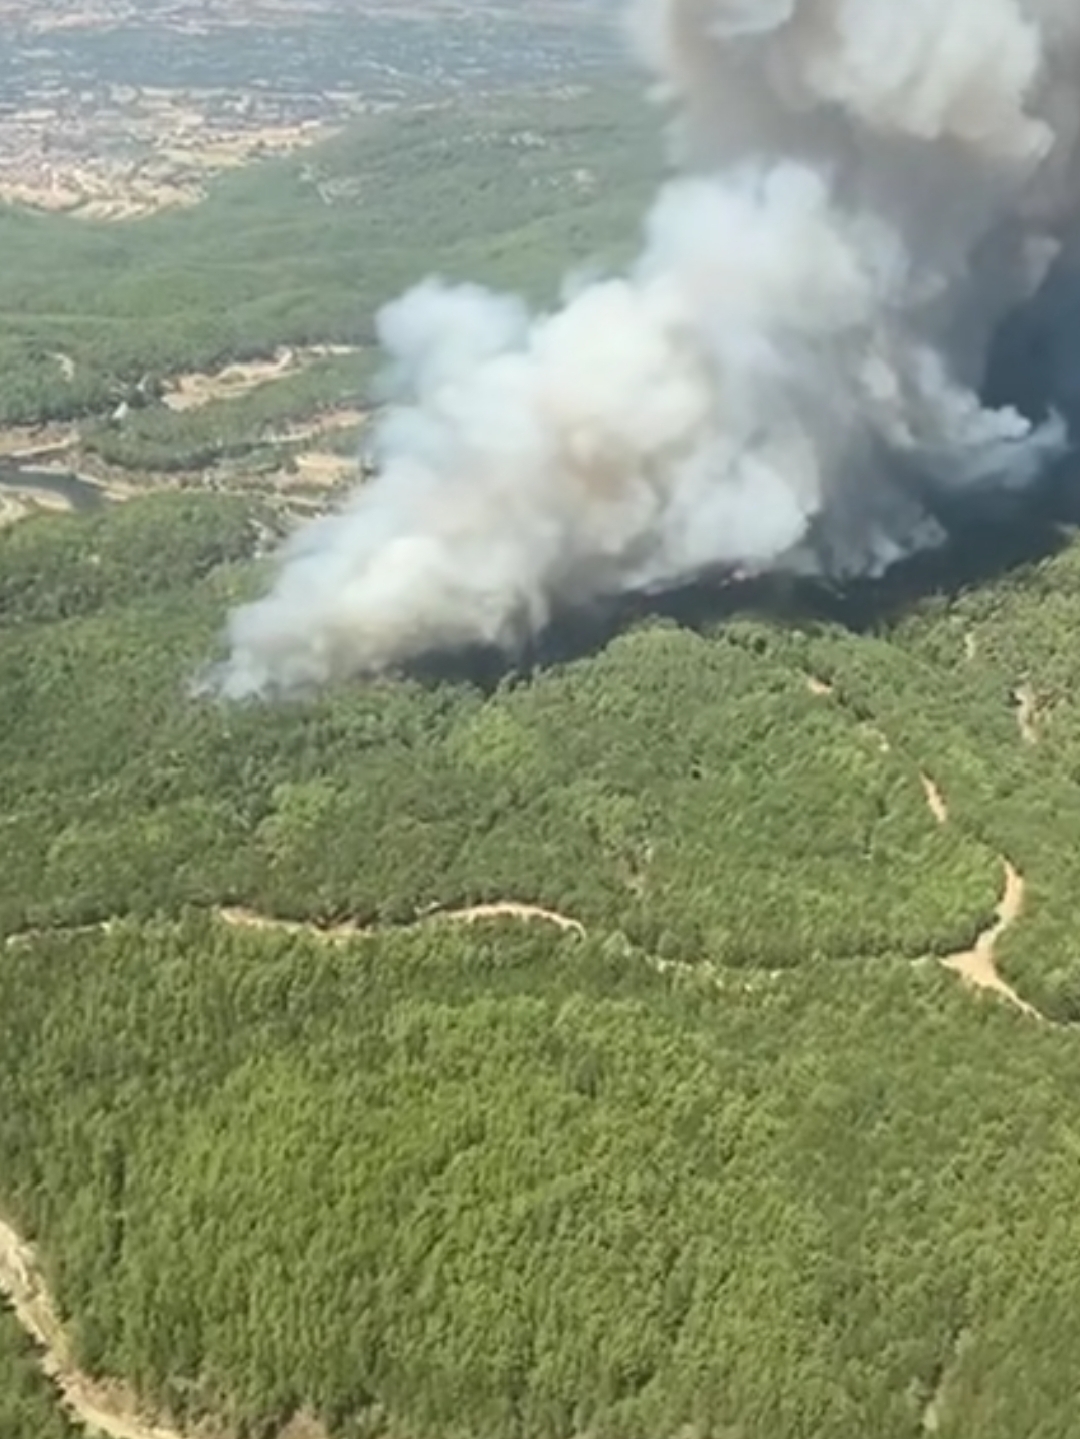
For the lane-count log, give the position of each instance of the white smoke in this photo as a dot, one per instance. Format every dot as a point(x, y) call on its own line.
point(781, 378)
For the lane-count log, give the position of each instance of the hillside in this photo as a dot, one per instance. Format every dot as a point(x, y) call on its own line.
point(673, 1033)
point(280, 273)
point(731, 1151)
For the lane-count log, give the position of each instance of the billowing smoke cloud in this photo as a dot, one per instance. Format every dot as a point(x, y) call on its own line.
point(784, 380)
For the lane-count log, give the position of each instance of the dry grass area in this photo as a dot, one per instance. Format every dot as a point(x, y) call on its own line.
point(36, 443)
point(16, 505)
point(12, 509)
point(193, 391)
point(321, 470)
point(313, 472)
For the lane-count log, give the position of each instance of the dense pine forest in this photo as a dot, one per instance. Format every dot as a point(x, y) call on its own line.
point(305, 1118)
point(28, 1407)
point(738, 1155)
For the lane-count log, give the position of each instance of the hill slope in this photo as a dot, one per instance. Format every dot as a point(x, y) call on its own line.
point(724, 1153)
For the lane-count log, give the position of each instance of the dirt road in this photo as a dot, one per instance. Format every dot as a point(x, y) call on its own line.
point(109, 1409)
point(241, 918)
point(977, 967)
point(102, 1408)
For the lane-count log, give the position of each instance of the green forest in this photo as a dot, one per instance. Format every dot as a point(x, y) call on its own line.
point(739, 1160)
point(728, 1153)
point(302, 252)
point(28, 1407)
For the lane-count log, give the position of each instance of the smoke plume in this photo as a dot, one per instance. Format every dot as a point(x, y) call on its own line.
point(788, 377)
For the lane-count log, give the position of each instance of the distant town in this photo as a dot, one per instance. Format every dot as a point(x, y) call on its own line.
point(116, 109)
point(43, 16)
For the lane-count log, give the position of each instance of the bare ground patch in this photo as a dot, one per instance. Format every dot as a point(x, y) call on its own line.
point(241, 918)
point(1027, 713)
point(977, 967)
point(935, 799)
point(198, 388)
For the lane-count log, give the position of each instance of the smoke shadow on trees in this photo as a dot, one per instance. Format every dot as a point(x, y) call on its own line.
point(1034, 365)
point(983, 546)
point(981, 549)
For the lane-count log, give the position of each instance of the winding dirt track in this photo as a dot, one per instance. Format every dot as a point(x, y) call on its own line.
point(241, 918)
point(935, 799)
point(102, 1408)
point(109, 1409)
point(977, 967)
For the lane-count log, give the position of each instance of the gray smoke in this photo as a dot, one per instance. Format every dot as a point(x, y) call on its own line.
point(780, 380)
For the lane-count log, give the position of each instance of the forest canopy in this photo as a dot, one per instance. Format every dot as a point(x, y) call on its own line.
point(499, 1050)
point(730, 1155)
